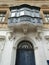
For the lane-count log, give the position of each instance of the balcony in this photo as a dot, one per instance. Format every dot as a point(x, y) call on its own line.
point(24, 19)
point(24, 16)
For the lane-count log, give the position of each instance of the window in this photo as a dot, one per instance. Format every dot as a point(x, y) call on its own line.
point(28, 13)
point(17, 14)
point(2, 16)
point(21, 13)
point(37, 14)
point(12, 14)
point(46, 14)
point(48, 62)
point(25, 12)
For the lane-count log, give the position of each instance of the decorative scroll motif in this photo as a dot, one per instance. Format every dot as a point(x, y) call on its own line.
point(25, 45)
point(2, 43)
point(46, 34)
point(25, 19)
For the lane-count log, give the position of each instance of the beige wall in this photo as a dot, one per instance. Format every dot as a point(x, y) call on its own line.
point(5, 4)
point(19, 2)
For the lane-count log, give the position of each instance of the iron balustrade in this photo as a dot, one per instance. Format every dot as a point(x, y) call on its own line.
point(14, 20)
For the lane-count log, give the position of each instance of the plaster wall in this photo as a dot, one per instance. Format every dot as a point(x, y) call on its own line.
point(8, 54)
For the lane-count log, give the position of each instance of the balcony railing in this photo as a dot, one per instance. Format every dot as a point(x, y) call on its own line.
point(15, 20)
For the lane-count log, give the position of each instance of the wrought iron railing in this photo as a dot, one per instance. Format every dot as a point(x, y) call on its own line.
point(33, 20)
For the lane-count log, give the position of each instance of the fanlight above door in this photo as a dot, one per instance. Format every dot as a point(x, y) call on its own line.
point(25, 45)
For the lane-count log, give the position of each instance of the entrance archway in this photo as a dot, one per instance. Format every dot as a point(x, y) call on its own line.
point(25, 53)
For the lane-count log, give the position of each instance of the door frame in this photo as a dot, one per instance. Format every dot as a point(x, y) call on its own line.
point(16, 42)
point(25, 45)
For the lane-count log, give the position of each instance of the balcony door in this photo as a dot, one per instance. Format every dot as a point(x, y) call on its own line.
point(25, 54)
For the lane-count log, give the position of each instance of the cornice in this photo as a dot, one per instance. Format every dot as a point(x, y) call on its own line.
point(16, 2)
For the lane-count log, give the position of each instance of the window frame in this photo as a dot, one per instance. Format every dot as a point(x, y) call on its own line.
point(43, 15)
point(12, 14)
point(7, 11)
point(25, 11)
point(46, 17)
point(2, 16)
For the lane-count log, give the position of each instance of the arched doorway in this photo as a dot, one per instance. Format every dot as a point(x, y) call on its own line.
point(25, 53)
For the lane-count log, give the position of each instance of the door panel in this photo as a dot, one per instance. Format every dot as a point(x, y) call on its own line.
point(25, 57)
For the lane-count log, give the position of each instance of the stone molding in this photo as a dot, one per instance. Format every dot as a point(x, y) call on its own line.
point(2, 42)
point(16, 42)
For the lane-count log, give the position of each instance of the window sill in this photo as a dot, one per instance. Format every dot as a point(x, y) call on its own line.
point(4, 22)
point(46, 22)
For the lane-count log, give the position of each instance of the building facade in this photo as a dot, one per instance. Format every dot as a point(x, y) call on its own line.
point(24, 32)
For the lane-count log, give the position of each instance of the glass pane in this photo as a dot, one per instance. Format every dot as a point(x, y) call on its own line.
point(32, 14)
point(3, 19)
point(11, 20)
point(27, 13)
point(47, 14)
point(0, 19)
point(17, 14)
point(21, 13)
point(2, 14)
point(12, 14)
point(37, 14)
point(48, 19)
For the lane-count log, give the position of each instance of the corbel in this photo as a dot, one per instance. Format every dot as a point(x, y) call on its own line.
point(38, 36)
point(2, 40)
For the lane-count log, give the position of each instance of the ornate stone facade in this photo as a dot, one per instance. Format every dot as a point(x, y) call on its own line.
point(21, 28)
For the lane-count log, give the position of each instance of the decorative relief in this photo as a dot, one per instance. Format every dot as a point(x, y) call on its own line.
point(46, 35)
point(1, 44)
point(25, 29)
point(25, 45)
point(38, 35)
point(48, 44)
point(10, 35)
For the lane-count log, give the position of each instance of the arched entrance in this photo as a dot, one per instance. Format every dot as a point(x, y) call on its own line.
point(25, 53)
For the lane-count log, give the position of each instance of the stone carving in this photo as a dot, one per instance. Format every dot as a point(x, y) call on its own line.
point(2, 43)
point(38, 35)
